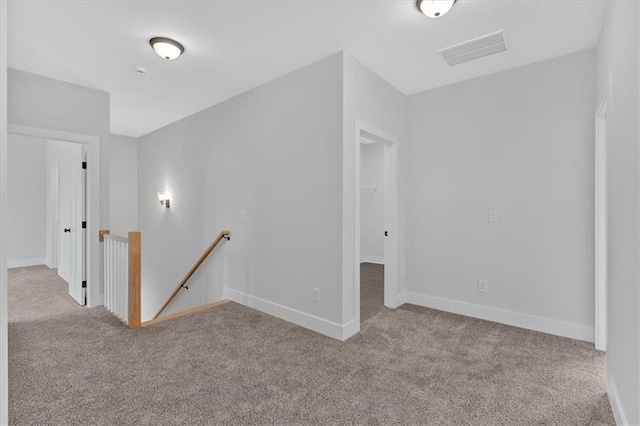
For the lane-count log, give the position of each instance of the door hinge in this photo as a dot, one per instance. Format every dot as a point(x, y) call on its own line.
point(84, 164)
point(84, 284)
point(84, 225)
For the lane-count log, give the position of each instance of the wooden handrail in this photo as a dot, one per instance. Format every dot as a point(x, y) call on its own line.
point(185, 312)
point(194, 268)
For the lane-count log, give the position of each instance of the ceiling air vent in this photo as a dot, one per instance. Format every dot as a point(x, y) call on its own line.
point(474, 49)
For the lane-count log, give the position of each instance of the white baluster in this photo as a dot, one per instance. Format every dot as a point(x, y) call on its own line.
point(116, 277)
point(123, 314)
point(119, 283)
point(111, 271)
point(125, 280)
point(107, 272)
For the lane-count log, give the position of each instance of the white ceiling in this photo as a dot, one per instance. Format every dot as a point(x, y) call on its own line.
point(233, 46)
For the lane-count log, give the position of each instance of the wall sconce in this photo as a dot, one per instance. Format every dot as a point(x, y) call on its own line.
point(165, 199)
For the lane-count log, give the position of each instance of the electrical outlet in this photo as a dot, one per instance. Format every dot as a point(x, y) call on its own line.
point(243, 215)
point(493, 216)
point(483, 286)
point(315, 295)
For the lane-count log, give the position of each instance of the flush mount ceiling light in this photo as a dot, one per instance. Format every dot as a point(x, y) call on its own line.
point(166, 48)
point(435, 8)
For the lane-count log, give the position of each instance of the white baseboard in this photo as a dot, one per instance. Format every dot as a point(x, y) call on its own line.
point(350, 329)
point(372, 259)
point(516, 319)
point(402, 298)
point(616, 404)
point(23, 263)
point(319, 325)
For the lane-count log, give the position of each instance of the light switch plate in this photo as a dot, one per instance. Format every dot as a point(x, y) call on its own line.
point(493, 216)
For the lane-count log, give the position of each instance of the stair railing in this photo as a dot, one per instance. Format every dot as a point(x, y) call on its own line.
point(122, 276)
point(224, 235)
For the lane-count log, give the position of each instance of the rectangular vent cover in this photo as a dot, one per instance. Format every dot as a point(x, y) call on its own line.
point(474, 49)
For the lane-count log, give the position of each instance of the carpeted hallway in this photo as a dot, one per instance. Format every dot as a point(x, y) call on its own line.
point(234, 365)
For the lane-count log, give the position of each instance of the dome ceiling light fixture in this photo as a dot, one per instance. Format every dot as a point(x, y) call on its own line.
point(435, 8)
point(166, 48)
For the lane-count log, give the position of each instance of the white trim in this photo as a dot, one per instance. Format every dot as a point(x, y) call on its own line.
point(319, 325)
point(4, 353)
point(638, 218)
point(601, 223)
point(94, 265)
point(516, 319)
point(616, 404)
point(24, 263)
point(402, 298)
point(372, 259)
point(37, 132)
point(350, 329)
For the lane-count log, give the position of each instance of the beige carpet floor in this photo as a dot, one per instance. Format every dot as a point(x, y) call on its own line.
point(234, 365)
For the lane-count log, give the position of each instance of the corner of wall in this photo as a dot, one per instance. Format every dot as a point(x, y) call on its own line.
point(616, 404)
point(319, 325)
point(4, 362)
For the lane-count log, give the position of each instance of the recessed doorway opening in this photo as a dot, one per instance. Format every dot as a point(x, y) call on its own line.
point(46, 192)
point(83, 209)
point(372, 198)
point(377, 222)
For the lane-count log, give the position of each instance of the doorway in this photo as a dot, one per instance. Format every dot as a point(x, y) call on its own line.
point(85, 274)
point(601, 222)
point(376, 221)
point(46, 188)
point(372, 197)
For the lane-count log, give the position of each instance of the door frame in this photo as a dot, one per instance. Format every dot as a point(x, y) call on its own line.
point(92, 200)
point(601, 222)
point(351, 254)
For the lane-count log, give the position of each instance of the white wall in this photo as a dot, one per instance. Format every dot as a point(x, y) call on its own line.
point(372, 203)
point(45, 103)
point(370, 99)
point(123, 186)
point(4, 362)
point(275, 152)
point(520, 142)
point(26, 201)
point(618, 59)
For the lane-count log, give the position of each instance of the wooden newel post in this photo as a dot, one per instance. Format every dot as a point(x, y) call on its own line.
point(135, 280)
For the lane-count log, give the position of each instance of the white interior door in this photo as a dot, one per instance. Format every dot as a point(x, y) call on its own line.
point(71, 207)
point(77, 282)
